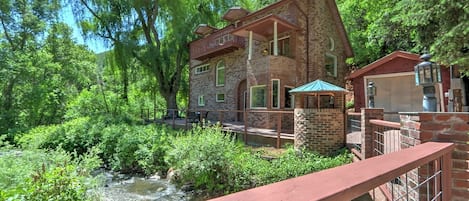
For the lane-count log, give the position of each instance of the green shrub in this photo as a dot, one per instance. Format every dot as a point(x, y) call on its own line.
point(204, 158)
point(349, 104)
point(40, 175)
point(135, 148)
point(214, 162)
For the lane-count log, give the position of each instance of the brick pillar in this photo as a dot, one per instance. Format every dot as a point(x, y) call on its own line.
point(451, 127)
point(367, 133)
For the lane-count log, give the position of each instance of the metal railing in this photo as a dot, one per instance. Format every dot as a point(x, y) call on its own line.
point(353, 180)
point(354, 132)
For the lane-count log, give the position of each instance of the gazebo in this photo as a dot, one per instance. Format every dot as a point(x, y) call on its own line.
point(319, 117)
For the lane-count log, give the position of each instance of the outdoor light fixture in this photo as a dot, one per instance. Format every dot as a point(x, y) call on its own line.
point(427, 73)
point(371, 92)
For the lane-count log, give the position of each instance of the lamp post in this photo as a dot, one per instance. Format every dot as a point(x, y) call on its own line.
point(427, 73)
point(371, 92)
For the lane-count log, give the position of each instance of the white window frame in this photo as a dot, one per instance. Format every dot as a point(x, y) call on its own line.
point(220, 100)
point(278, 93)
point(201, 100)
point(216, 73)
point(251, 99)
point(202, 69)
point(335, 64)
point(292, 97)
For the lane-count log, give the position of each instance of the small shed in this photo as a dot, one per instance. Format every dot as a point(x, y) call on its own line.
point(319, 117)
point(393, 77)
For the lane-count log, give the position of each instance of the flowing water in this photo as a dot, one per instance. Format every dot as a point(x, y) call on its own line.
point(120, 187)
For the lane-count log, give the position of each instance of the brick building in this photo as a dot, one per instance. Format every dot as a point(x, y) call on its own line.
point(254, 61)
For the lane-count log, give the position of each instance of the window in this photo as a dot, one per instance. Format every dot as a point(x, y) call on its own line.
point(258, 97)
point(331, 65)
point(201, 100)
point(202, 69)
point(220, 75)
point(275, 93)
point(289, 98)
point(283, 46)
point(220, 97)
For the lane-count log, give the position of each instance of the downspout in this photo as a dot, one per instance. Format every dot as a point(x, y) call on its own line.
point(307, 38)
point(306, 42)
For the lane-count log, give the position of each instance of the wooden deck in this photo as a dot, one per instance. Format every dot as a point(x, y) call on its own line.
point(235, 127)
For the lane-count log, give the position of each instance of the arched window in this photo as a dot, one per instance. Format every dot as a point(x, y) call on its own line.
point(220, 74)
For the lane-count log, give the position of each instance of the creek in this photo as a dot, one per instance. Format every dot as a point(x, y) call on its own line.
point(121, 187)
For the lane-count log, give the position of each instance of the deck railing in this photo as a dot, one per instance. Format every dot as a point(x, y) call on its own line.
point(279, 122)
point(356, 179)
point(354, 128)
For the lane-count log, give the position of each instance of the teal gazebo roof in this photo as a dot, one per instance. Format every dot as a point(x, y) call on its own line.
point(317, 86)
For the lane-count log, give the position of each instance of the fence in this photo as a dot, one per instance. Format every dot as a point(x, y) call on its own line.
point(267, 123)
point(357, 179)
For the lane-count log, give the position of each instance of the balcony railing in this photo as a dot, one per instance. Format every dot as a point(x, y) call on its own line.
point(219, 42)
point(356, 179)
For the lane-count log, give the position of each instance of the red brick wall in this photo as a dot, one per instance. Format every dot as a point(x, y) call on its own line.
point(320, 130)
point(443, 127)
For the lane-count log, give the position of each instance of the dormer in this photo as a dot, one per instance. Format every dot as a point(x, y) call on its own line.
point(234, 14)
point(204, 30)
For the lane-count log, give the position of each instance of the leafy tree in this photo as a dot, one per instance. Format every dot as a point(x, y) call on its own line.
point(441, 26)
point(379, 27)
point(155, 33)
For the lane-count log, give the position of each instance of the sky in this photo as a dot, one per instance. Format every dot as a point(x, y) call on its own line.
point(93, 44)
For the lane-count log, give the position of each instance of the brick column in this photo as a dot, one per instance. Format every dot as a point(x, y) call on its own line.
point(451, 127)
point(367, 132)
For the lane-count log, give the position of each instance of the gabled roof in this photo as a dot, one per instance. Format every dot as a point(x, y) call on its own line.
point(317, 86)
point(235, 13)
point(383, 60)
point(204, 29)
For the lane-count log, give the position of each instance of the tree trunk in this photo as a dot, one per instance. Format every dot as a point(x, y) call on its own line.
point(171, 103)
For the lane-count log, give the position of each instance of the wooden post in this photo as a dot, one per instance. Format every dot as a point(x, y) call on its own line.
point(275, 39)
point(446, 177)
point(250, 46)
point(279, 129)
point(174, 117)
point(245, 117)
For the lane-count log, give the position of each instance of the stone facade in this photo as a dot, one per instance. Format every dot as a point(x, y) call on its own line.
point(319, 34)
point(319, 130)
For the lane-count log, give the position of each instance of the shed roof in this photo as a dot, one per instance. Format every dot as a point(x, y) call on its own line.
point(380, 62)
point(317, 86)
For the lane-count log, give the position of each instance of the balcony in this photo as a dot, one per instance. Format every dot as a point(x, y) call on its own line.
point(217, 43)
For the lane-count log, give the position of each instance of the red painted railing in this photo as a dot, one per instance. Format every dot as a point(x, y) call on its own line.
point(353, 180)
point(219, 42)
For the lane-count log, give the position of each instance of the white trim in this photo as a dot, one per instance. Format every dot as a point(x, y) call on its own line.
point(201, 100)
point(335, 64)
point(442, 97)
point(332, 42)
point(278, 93)
point(250, 96)
point(216, 73)
point(202, 67)
point(218, 100)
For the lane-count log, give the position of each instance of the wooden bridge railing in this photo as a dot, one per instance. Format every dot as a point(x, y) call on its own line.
point(353, 180)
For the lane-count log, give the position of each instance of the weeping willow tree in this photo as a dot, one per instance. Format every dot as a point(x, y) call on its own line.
point(154, 33)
